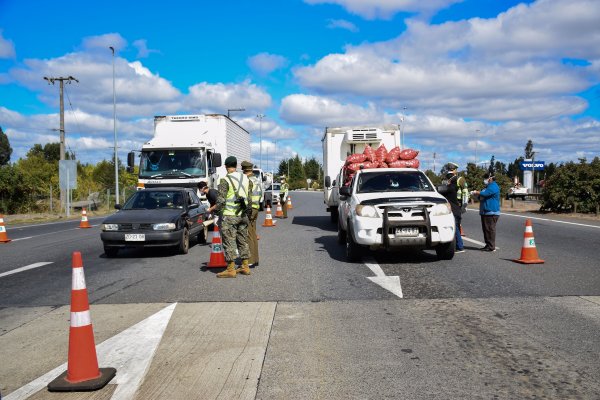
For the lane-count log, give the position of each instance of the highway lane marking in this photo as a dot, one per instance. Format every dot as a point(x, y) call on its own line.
point(24, 238)
point(477, 242)
point(390, 283)
point(130, 352)
point(545, 219)
point(26, 268)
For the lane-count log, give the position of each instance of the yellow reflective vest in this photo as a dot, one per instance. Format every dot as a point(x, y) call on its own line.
point(239, 185)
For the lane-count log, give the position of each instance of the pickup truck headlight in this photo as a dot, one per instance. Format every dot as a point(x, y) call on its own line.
point(110, 227)
point(164, 227)
point(366, 211)
point(441, 209)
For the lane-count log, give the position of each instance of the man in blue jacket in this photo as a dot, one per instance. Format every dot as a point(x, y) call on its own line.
point(489, 209)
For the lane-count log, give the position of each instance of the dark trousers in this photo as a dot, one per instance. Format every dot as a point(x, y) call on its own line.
point(488, 225)
point(252, 241)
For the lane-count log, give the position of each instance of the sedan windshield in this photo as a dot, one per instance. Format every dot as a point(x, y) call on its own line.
point(393, 181)
point(159, 164)
point(152, 200)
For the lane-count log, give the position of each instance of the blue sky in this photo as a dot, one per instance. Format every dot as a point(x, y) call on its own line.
point(462, 75)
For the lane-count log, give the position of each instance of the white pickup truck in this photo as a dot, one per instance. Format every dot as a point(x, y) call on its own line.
point(394, 208)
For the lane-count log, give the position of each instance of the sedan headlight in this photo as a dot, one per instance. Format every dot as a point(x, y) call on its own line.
point(164, 227)
point(366, 211)
point(441, 209)
point(110, 227)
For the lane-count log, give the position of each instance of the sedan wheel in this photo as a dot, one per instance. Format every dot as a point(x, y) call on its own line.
point(184, 245)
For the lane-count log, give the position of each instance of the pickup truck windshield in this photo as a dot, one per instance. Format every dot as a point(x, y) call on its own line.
point(168, 164)
point(393, 181)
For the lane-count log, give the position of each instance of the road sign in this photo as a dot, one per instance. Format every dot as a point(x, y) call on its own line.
point(529, 165)
point(67, 174)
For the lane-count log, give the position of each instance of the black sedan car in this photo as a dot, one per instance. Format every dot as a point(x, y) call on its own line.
point(157, 217)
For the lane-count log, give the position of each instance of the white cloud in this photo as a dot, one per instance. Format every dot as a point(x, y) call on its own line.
point(219, 97)
point(7, 47)
point(342, 24)
point(321, 111)
point(103, 42)
point(269, 128)
point(385, 9)
point(265, 63)
point(143, 50)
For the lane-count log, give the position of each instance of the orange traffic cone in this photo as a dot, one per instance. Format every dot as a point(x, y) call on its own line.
point(529, 254)
point(268, 218)
point(279, 212)
point(289, 203)
point(84, 220)
point(3, 236)
point(462, 233)
point(82, 372)
point(217, 256)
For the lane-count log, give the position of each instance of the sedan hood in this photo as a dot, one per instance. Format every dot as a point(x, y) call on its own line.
point(143, 216)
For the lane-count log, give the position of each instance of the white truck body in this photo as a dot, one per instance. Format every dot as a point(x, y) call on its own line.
point(394, 208)
point(339, 143)
point(182, 151)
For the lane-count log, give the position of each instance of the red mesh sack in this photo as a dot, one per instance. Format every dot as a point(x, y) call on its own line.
point(398, 164)
point(393, 155)
point(381, 153)
point(408, 154)
point(356, 158)
point(414, 163)
point(382, 165)
point(371, 164)
point(354, 166)
point(370, 153)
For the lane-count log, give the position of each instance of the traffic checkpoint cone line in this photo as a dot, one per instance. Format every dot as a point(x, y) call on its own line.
point(279, 211)
point(268, 218)
point(3, 235)
point(217, 256)
point(289, 203)
point(84, 220)
point(82, 372)
point(529, 254)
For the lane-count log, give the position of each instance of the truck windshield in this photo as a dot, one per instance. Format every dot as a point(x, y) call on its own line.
point(396, 181)
point(173, 163)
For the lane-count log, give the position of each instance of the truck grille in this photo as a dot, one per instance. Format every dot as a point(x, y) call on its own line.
point(405, 213)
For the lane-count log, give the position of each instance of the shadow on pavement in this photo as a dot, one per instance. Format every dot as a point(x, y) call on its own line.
point(319, 221)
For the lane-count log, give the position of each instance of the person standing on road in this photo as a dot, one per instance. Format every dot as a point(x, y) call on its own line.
point(256, 194)
point(234, 206)
point(211, 195)
point(452, 196)
point(489, 210)
point(283, 193)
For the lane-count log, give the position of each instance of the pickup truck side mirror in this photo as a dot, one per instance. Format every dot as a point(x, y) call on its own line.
point(264, 179)
point(442, 189)
point(345, 191)
point(327, 181)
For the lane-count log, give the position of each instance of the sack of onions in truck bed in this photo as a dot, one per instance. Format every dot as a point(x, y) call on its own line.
point(381, 153)
point(370, 153)
point(382, 165)
point(393, 155)
point(414, 163)
point(408, 154)
point(356, 158)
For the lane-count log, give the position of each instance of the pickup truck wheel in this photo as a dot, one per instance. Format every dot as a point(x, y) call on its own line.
point(334, 215)
point(341, 234)
point(353, 250)
point(184, 244)
point(445, 251)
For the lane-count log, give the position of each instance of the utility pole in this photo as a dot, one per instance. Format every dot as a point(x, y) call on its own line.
point(115, 129)
point(260, 118)
point(61, 81)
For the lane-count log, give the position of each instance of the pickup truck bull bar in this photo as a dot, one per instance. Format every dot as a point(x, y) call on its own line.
point(387, 224)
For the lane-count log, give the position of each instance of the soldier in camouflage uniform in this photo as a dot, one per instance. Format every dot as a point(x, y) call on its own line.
point(256, 193)
point(234, 205)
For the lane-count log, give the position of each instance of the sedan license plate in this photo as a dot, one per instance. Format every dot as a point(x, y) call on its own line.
point(407, 231)
point(135, 237)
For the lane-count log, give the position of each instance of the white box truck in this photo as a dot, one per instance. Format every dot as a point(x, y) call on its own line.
point(188, 149)
point(339, 143)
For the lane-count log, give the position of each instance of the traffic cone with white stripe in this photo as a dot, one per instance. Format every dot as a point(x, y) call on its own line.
point(529, 254)
point(289, 203)
point(279, 212)
point(82, 372)
point(268, 218)
point(84, 220)
point(3, 236)
point(217, 256)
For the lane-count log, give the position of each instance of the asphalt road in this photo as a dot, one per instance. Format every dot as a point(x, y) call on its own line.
point(478, 326)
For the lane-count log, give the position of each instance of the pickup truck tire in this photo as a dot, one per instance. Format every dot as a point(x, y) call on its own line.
point(341, 234)
point(334, 214)
point(353, 250)
point(445, 251)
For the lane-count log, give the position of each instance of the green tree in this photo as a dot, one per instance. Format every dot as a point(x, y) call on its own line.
point(5, 149)
point(529, 150)
point(492, 165)
point(433, 177)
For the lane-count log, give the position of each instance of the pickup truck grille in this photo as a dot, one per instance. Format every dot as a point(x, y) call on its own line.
point(405, 213)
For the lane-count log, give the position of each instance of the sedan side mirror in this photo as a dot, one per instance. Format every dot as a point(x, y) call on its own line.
point(117, 206)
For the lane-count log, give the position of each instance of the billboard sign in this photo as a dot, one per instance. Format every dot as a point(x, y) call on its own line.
point(529, 165)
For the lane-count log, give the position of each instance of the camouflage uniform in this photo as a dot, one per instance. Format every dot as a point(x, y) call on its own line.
point(234, 229)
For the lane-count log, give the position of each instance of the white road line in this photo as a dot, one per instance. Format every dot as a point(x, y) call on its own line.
point(390, 283)
point(477, 242)
point(545, 219)
point(28, 237)
point(130, 352)
point(26, 268)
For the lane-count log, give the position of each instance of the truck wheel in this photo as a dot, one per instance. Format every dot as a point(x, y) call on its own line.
point(111, 252)
point(341, 234)
point(184, 244)
point(353, 250)
point(334, 215)
point(445, 251)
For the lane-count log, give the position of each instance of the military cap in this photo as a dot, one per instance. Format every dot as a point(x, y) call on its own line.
point(247, 166)
point(231, 161)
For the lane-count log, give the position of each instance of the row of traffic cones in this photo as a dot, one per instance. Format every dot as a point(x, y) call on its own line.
point(84, 223)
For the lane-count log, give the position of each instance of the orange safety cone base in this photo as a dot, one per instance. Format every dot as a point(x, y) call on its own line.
point(61, 384)
point(534, 261)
